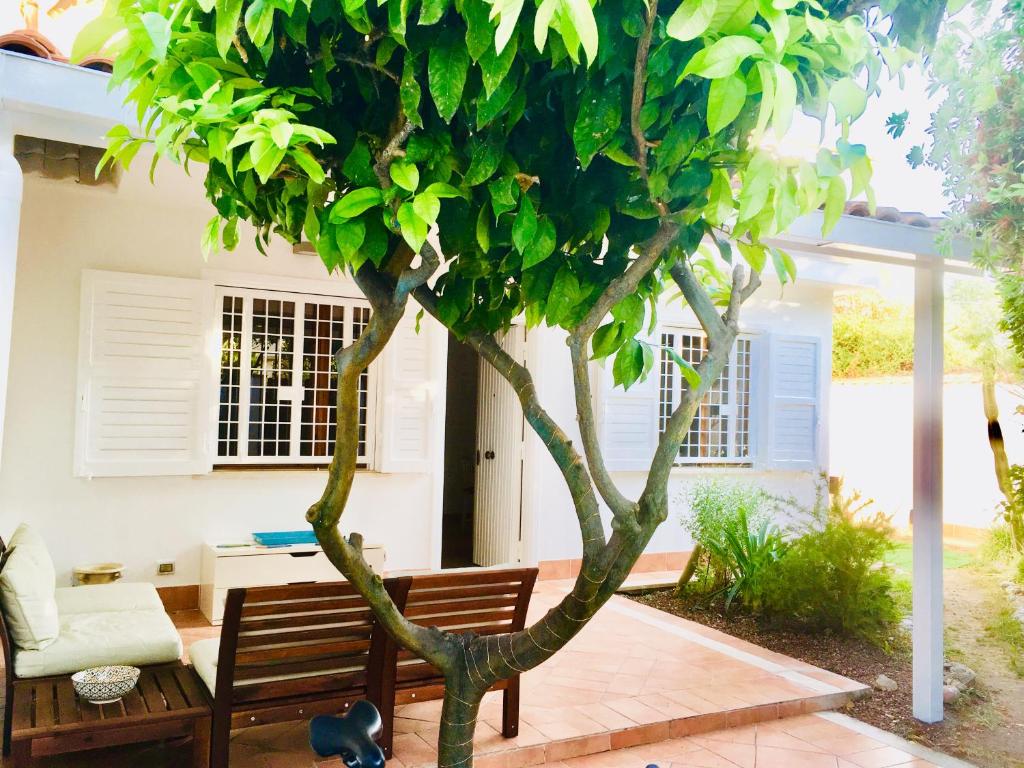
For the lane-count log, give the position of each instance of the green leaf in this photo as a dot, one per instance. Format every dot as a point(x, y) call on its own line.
point(785, 267)
point(848, 99)
point(835, 203)
point(228, 12)
point(281, 133)
point(259, 21)
point(483, 229)
point(524, 228)
point(358, 166)
point(484, 161)
point(509, 15)
point(725, 101)
point(504, 193)
point(409, 92)
point(442, 190)
point(564, 295)
point(94, 36)
point(599, 117)
point(691, 19)
point(349, 236)
point(266, 156)
point(542, 21)
point(631, 362)
point(432, 10)
point(494, 66)
point(582, 17)
point(542, 245)
point(427, 206)
point(305, 160)
point(158, 31)
point(355, 202)
point(406, 175)
point(414, 229)
point(447, 67)
point(721, 58)
point(754, 255)
point(785, 101)
point(685, 368)
point(479, 29)
point(211, 236)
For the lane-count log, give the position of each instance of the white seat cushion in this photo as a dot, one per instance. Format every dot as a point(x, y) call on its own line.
point(27, 586)
point(203, 655)
point(119, 596)
point(96, 639)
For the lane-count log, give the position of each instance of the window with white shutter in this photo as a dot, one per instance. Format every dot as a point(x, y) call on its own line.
point(278, 377)
point(721, 428)
point(794, 379)
point(143, 395)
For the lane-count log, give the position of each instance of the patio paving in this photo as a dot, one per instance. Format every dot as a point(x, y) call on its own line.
point(636, 680)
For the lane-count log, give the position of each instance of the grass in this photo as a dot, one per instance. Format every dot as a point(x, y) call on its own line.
point(1005, 630)
point(901, 557)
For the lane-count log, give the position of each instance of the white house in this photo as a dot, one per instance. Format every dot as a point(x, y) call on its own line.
point(157, 401)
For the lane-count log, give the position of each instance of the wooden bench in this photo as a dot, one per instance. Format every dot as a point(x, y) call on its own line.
point(482, 601)
point(291, 652)
point(50, 719)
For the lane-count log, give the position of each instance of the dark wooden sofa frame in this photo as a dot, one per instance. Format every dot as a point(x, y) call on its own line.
point(291, 652)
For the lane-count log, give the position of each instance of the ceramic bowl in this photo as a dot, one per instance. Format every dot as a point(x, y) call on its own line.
point(104, 685)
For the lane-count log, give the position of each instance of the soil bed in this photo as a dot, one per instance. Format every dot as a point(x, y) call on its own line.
point(975, 729)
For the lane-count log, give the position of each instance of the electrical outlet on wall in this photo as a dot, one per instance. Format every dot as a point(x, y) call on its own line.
point(165, 567)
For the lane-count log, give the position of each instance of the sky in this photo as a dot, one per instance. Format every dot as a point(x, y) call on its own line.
point(895, 183)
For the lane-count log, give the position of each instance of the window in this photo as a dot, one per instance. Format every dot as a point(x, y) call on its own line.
point(278, 378)
point(720, 433)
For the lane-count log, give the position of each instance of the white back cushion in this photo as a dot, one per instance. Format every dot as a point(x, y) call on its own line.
point(27, 591)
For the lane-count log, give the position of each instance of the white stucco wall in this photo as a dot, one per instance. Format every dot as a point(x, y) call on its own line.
point(802, 309)
point(140, 228)
point(872, 446)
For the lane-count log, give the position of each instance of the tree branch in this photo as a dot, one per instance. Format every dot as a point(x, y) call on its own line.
point(623, 509)
point(643, 48)
point(391, 150)
point(372, 66)
point(558, 444)
point(698, 298)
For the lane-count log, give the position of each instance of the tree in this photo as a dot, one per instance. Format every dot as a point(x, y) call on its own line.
point(978, 145)
point(571, 159)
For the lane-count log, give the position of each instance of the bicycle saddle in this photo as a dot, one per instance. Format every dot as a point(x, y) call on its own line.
point(351, 736)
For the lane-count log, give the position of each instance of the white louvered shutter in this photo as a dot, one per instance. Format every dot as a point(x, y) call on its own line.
point(793, 408)
point(144, 376)
point(406, 398)
point(629, 421)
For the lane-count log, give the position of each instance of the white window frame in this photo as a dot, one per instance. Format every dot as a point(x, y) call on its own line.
point(753, 404)
point(365, 460)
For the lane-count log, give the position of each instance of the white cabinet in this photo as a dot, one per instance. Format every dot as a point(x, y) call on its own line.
point(224, 567)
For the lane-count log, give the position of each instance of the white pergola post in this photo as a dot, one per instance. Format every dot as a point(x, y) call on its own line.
point(10, 219)
point(927, 512)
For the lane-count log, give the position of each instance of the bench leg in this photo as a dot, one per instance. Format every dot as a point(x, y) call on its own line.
point(220, 739)
point(21, 753)
point(510, 709)
point(201, 743)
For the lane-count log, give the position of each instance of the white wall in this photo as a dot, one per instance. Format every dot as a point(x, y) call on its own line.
point(138, 521)
point(872, 446)
point(801, 309)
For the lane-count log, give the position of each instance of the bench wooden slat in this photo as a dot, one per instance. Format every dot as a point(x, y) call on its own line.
point(169, 686)
point(46, 704)
point(462, 591)
point(310, 605)
point(282, 637)
point(290, 651)
point(354, 621)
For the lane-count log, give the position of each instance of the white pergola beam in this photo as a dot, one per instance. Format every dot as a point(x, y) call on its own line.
point(927, 512)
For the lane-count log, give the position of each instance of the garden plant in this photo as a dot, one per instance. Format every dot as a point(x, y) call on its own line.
point(570, 160)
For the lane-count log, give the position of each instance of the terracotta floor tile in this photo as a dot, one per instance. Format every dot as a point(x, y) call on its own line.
point(782, 757)
point(883, 757)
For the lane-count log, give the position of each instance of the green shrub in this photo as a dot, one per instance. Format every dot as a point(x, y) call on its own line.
point(748, 556)
point(831, 577)
point(998, 544)
point(871, 336)
point(715, 507)
point(1020, 571)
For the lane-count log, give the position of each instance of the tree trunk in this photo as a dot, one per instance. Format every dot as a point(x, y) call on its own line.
point(1013, 515)
point(458, 719)
point(690, 569)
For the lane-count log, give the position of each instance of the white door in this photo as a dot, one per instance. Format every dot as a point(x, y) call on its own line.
point(497, 504)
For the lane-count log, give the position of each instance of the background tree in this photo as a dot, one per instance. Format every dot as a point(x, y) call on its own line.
point(570, 158)
point(978, 145)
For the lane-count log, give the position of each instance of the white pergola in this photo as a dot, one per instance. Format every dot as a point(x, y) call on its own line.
point(865, 239)
point(59, 102)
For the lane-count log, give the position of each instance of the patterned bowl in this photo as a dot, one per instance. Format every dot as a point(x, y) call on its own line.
point(105, 685)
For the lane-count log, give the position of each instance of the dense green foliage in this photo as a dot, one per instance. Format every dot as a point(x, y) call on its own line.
point(871, 336)
point(978, 140)
point(517, 128)
point(830, 576)
point(874, 336)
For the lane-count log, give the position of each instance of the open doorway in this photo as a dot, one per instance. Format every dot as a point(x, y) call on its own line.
point(483, 460)
point(460, 424)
